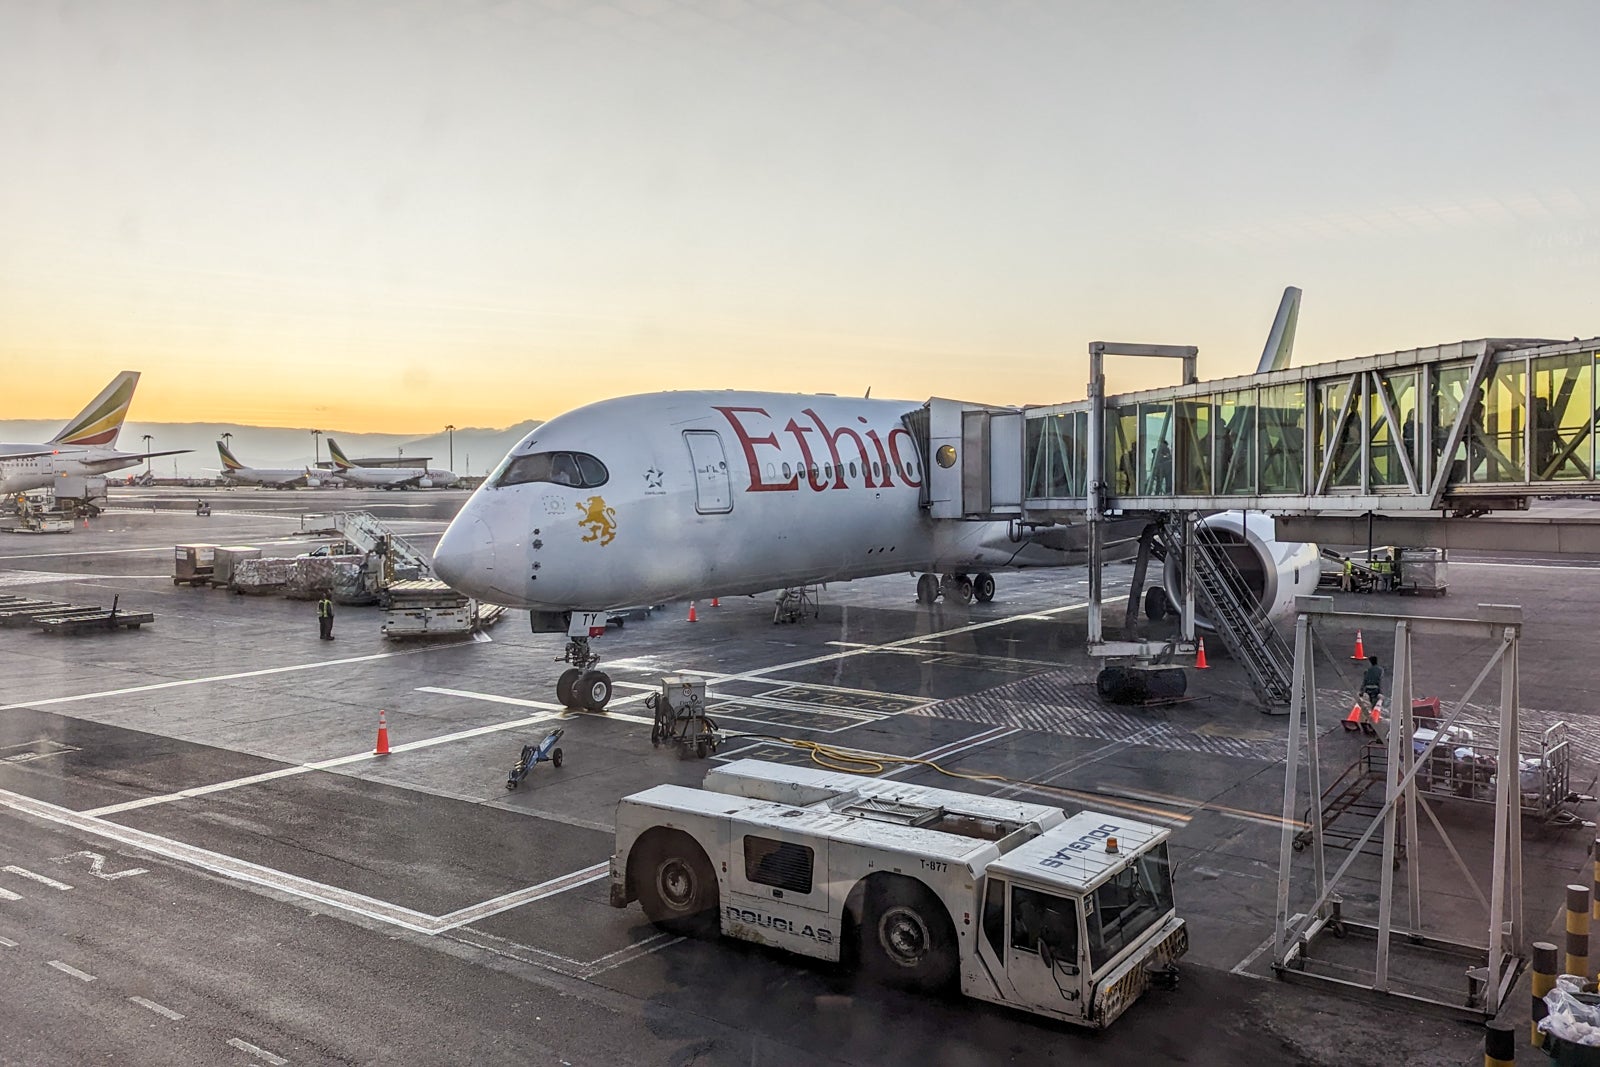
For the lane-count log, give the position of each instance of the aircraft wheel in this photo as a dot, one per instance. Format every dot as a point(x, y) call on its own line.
point(983, 588)
point(566, 693)
point(964, 590)
point(927, 589)
point(555, 757)
point(594, 690)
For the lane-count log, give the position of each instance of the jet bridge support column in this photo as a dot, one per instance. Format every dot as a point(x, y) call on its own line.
point(1096, 498)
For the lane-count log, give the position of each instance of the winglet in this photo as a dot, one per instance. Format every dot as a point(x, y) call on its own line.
point(1280, 342)
point(101, 421)
point(228, 460)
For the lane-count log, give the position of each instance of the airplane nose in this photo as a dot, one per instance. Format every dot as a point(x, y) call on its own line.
point(464, 558)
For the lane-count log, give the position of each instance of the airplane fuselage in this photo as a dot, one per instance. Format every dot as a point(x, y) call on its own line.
point(18, 475)
point(650, 498)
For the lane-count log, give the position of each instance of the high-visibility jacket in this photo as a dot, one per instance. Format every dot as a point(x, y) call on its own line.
point(324, 608)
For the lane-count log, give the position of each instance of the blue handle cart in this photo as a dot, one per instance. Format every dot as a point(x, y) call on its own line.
point(544, 752)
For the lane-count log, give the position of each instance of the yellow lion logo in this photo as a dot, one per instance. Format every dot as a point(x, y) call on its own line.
point(599, 520)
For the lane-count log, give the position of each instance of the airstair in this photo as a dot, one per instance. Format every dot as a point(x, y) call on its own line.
point(1252, 639)
point(401, 559)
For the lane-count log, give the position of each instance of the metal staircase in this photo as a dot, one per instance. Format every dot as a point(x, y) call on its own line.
point(1252, 640)
point(362, 529)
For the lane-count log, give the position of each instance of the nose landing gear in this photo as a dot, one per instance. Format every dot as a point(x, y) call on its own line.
point(581, 686)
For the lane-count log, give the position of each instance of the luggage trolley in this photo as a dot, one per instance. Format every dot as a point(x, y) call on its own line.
point(680, 717)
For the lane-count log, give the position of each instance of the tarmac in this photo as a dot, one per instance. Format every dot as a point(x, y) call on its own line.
point(202, 860)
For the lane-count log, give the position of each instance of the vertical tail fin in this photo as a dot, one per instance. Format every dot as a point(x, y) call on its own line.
point(336, 454)
point(1280, 342)
point(101, 421)
point(229, 462)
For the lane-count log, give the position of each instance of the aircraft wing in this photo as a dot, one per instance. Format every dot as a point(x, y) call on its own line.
point(122, 459)
point(30, 455)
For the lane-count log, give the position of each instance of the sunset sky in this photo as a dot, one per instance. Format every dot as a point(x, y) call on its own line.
point(388, 216)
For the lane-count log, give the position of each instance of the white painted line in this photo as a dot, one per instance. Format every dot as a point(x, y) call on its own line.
point(550, 888)
point(7, 942)
point(1242, 968)
point(954, 749)
point(257, 1051)
point(41, 879)
point(559, 711)
point(6, 894)
point(158, 1008)
point(65, 969)
point(268, 878)
point(868, 650)
point(222, 677)
point(629, 954)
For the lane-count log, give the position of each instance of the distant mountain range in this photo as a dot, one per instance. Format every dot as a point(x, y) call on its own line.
point(477, 449)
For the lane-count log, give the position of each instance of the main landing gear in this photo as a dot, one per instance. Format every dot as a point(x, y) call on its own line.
point(581, 686)
point(955, 587)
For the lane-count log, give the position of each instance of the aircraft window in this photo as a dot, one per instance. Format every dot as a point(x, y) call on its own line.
point(576, 469)
point(827, 471)
point(852, 468)
point(787, 471)
point(816, 472)
point(877, 471)
point(772, 474)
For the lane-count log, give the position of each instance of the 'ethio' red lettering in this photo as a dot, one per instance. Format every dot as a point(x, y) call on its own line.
point(814, 477)
point(902, 464)
point(832, 437)
point(749, 443)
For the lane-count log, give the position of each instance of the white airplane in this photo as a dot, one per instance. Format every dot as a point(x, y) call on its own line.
point(728, 493)
point(275, 477)
point(387, 477)
point(85, 447)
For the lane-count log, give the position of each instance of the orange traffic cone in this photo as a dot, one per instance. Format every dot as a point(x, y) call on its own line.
point(86, 522)
point(1377, 717)
point(692, 617)
point(1352, 721)
point(1200, 663)
point(383, 736)
point(716, 603)
point(1361, 653)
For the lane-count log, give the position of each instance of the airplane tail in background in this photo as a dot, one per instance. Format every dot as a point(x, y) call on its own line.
point(229, 462)
point(101, 421)
point(336, 454)
point(1280, 342)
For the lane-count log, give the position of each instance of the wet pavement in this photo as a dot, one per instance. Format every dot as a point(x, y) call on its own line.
point(300, 896)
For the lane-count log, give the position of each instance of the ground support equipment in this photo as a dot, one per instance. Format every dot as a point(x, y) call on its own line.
point(545, 751)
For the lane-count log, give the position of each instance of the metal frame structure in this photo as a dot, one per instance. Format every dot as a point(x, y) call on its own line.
point(1499, 961)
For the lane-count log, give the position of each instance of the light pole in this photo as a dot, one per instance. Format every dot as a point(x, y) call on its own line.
point(451, 431)
point(147, 472)
point(316, 448)
point(227, 439)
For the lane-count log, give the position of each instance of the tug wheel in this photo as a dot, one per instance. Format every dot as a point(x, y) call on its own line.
point(555, 757)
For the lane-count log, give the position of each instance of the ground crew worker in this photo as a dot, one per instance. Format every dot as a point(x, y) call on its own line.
point(1349, 575)
point(325, 617)
point(1371, 693)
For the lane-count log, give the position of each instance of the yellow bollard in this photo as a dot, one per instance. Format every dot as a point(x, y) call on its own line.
point(1577, 930)
point(1544, 980)
point(1499, 1045)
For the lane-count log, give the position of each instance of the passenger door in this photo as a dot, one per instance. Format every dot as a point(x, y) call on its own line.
point(713, 490)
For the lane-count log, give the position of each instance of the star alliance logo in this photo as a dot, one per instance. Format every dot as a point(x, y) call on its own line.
point(652, 478)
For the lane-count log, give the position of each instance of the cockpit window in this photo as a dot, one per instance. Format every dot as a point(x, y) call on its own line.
point(577, 469)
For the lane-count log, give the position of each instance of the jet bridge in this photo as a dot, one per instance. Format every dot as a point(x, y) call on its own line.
point(1414, 440)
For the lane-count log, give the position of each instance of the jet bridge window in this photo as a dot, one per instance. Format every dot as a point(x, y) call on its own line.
point(577, 469)
point(780, 864)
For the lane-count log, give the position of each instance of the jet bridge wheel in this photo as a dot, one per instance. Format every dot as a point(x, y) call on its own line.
point(906, 937)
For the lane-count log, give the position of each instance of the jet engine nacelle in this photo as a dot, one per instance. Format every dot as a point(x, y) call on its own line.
point(1273, 572)
point(424, 483)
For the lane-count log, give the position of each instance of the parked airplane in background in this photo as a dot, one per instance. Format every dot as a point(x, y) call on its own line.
point(275, 477)
point(387, 477)
point(85, 447)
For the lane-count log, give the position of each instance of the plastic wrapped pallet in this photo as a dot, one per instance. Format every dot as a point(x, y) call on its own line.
point(262, 577)
point(312, 575)
point(226, 558)
point(355, 582)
